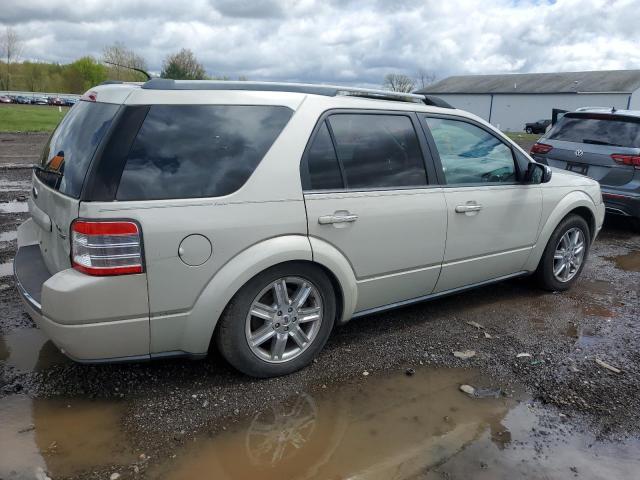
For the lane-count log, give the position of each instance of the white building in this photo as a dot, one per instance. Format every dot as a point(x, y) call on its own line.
point(509, 101)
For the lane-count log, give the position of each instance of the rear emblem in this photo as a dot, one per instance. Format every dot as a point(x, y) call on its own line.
point(579, 153)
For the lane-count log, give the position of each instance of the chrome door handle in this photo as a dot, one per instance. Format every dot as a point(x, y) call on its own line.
point(328, 219)
point(468, 208)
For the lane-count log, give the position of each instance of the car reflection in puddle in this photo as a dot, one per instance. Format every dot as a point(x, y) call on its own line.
point(398, 426)
point(392, 427)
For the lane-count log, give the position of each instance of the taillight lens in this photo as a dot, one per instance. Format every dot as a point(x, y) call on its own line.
point(540, 148)
point(632, 160)
point(89, 96)
point(106, 247)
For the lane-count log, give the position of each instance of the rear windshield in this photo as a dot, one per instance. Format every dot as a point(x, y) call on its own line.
point(66, 157)
point(188, 151)
point(597, 131)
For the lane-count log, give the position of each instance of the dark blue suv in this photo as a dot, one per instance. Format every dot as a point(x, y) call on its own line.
point(603, 144)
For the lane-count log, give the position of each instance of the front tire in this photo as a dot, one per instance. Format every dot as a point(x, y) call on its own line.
point(529, 130)
point(278, 321)
point(565, 254)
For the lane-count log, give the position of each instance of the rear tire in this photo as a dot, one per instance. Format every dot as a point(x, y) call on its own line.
point(291, 338)
point(550, 275)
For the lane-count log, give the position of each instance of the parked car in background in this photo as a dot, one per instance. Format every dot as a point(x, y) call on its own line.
point(537, 127)
point(39, 100)
point(23, 100)
point(70, 101)
point(174, 217)
point(58, 101)
point(5, 99)
point(603, 144)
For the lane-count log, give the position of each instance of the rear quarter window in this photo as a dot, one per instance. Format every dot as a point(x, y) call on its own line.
point(190, 151)
point(68, 153)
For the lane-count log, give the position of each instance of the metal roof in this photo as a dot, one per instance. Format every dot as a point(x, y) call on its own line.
point(606, 81)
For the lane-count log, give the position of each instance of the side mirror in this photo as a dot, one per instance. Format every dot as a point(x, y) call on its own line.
point(538, 173)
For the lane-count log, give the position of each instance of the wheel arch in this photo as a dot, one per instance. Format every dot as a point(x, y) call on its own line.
point(576, 202)
point(202, 321)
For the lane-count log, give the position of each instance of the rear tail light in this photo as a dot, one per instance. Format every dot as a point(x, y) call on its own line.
point(89, 96)
point(106, 247)
point(632, 160)
point(540, 148)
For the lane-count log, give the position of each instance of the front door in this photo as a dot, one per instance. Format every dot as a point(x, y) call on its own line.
point(493, 217)
point(367, 194)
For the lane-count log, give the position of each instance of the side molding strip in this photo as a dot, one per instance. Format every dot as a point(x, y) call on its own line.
point(434, 296)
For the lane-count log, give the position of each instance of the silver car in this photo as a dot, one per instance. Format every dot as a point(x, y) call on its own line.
point(171, 217)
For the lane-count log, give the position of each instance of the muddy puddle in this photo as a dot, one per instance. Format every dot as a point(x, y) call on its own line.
point(6, 269)
point(14, 185)
point(14, 207)
point(28, 350)
point(60, 437)
point(398, 426)
point(629, 262)
point(8, 236)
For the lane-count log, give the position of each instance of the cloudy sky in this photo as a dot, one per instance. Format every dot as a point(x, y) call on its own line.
point(339, 41)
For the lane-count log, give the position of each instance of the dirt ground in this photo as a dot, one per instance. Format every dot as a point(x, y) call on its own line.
point(381, 401)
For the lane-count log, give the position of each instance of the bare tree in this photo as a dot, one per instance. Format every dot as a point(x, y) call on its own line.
point(425, 78)
point(397, 82)
point(10, 48)
point(123, 60)
point(183, 66)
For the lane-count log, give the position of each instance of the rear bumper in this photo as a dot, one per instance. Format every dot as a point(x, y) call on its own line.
point(621, 203)
point(78, 297)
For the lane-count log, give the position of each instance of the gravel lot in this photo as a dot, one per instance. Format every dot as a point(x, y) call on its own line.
point(163, 407)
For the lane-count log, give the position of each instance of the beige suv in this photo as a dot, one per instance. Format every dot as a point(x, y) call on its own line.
point(171, 217)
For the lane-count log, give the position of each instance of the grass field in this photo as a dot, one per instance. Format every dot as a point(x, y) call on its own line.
point(524, 137)
point(30, 118)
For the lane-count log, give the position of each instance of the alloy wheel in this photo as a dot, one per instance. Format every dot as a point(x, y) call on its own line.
point(569, 255)
point(284, 319)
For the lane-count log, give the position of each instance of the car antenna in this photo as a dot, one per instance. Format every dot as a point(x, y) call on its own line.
point(131, 68)
point(613, 109)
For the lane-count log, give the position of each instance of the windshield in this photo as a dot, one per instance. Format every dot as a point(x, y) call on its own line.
point(597, 131)
point(66, 157)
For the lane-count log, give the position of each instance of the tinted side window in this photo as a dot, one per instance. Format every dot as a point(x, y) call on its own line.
point(322, 163)
point(470, 154)
point(378, 151)
point(69, 151)
point(188, 151)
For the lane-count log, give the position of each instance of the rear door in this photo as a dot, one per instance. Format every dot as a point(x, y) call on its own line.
point(584, 142)
point(367, 192)
point(60, 175)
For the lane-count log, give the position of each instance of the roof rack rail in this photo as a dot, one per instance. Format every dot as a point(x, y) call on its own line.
point(326, 90)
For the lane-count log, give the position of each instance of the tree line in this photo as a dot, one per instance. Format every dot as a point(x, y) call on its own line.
point(119, 62)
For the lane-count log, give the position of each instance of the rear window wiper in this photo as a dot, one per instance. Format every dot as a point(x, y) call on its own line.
point(599, 142)
point(38, 168)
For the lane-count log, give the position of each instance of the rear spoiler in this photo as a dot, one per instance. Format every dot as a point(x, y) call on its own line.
point(603, 116)
point(436, 102)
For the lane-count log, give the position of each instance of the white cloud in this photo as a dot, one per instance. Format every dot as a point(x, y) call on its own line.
point(354, 41)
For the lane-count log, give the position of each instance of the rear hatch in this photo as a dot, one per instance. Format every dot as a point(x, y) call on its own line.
point(59, 177)
point(585, 142)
